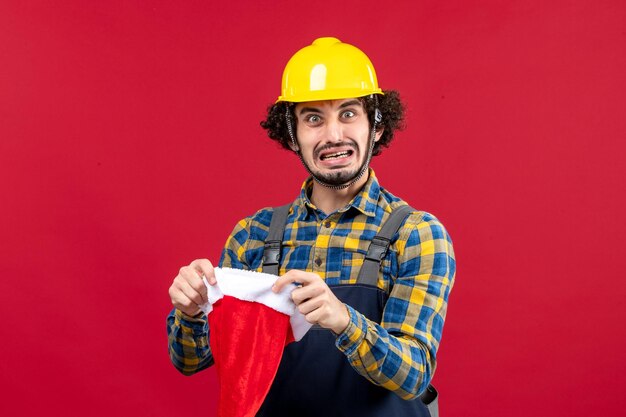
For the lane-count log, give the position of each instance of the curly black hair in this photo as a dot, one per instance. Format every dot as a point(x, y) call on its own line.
point(389, 105)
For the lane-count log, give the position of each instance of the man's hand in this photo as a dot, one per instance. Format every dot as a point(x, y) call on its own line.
point(315, 300)
point(188, 291)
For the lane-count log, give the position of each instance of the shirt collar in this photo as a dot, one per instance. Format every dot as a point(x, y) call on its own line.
point(365, 201)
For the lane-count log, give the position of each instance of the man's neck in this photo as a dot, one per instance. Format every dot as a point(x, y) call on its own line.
point(330, 200)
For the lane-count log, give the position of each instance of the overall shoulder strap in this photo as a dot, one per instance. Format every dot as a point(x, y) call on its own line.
point(369, 275)
point(379, 245)
point(274, 241)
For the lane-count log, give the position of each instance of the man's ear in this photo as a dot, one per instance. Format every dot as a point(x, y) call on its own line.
point(379, 133)
point(294, 147)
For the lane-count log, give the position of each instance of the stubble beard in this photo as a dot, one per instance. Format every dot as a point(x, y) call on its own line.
point(338, 177)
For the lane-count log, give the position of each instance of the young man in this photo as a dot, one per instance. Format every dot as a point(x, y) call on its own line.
point(373, 351)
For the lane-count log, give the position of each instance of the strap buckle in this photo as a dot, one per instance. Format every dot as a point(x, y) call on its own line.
point(378, 249)
point(271, 254)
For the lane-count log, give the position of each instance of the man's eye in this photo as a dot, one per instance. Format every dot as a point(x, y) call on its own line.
point(312, 118)
point(348, 114)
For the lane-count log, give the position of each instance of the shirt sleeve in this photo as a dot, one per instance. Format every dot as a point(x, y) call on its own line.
point(188, 337)
point(400, 352)
point(188, 342)
point(234, 252)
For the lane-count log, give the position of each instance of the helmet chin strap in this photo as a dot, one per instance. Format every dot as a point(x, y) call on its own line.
point(364, 167)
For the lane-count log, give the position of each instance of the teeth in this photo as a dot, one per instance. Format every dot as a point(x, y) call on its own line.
point(335, 155)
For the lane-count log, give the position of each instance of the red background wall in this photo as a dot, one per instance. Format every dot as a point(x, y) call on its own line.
point(130, 145)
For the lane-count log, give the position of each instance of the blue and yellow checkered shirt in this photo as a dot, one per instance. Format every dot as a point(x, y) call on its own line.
point(417, 273)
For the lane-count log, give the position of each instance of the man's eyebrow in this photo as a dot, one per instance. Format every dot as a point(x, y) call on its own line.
point(354, 102)
point(310, 110)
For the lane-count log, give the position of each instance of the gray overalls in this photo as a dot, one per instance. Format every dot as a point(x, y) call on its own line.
point(314, 378)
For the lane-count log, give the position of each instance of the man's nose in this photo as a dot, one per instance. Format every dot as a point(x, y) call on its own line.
point(333, 131)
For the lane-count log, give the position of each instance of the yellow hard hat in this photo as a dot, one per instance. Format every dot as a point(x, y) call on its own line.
point(328, 69)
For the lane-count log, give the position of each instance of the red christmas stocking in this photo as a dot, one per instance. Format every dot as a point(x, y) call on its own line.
point(249, 328)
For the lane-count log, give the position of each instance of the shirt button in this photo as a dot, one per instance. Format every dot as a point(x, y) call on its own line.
point(328, 224)
point(318, 261)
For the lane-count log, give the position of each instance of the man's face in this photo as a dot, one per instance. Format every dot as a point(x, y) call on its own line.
point(333, 137)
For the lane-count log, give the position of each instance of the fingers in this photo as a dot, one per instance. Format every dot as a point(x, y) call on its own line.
point(188, 286)
point(188, 290)
point(181, 302)
point(315, 300)
point(190, 277)
point(329, 314)
point(204, 267)
point(295, 276)
point(309, 306)
point(306, 292)
point(192, 293)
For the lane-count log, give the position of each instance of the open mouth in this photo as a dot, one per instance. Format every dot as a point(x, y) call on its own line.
point(336, 155)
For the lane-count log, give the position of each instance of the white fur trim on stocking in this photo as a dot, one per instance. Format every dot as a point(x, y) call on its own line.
point(256, 287)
